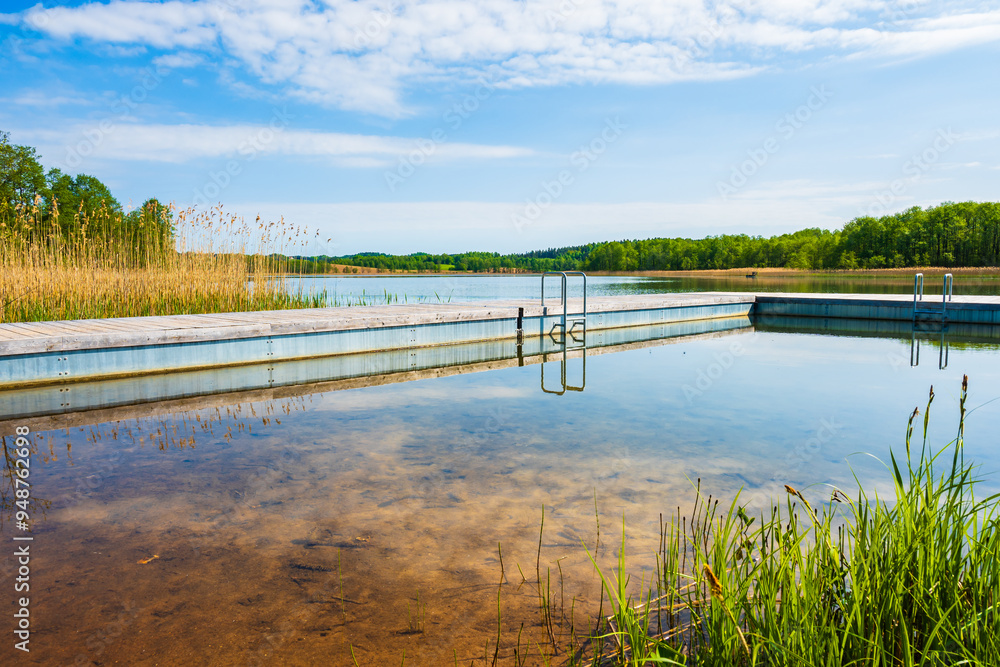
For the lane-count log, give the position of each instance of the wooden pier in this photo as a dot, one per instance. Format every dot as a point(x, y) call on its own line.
point(45, 353)
point(59, 368)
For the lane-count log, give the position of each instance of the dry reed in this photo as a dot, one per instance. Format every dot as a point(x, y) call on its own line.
point(155, 261)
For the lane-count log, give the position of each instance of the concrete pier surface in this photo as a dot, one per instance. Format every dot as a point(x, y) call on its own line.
point(898, 307)
point(48, 353)
point(64, 336)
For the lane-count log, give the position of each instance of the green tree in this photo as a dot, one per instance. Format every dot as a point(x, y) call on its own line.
point(83, 193)
point(21, 175)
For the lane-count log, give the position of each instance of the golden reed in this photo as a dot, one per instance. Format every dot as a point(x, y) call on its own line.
point(156, 261)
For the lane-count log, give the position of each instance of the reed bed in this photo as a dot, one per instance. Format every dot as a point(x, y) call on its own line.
point(833, 580)
point(154, 261)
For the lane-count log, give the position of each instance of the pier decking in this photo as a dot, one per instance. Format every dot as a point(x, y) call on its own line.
point(46, 353)
point(899, 307)
point(607, 312)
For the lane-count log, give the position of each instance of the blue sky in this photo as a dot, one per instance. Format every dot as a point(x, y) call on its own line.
point(446, 125)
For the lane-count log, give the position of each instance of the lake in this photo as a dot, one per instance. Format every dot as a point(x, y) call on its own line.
point(297, 526)
point(350, 290)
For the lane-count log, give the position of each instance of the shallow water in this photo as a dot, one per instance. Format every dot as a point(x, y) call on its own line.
point(288, 531)
point(342, 290)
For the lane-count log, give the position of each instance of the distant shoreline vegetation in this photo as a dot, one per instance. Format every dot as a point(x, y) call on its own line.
point(66, 213)
point(950, 235)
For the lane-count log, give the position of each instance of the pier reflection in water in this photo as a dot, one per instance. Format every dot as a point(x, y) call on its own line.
point(284, 524)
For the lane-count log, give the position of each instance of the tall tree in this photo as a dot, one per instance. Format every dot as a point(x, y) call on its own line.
point(81, 193)
point(21, 175)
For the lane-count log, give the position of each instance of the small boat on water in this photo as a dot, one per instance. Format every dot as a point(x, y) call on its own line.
point(752, 275)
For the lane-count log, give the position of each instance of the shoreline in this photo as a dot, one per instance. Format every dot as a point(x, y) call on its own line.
point(700, 273)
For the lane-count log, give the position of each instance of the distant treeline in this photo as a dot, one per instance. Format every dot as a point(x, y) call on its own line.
point(36, 205)
point(953, 235)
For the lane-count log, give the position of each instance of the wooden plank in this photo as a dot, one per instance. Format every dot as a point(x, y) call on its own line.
point(37, 328)
point(26, 330)
point(90, 326)
point(16, 333)
point(232, 319)
point(71, 326)
point(193, 322)
point(109, 327)
point(6, 334)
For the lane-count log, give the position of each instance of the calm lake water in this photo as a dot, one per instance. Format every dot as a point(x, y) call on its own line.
point(288, 529)
point(442, 288)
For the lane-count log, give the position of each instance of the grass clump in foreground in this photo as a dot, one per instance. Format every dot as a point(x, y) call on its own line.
point(912, 580)
point(103, 263)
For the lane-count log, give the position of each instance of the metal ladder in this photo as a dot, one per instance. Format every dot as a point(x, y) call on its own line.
point(568, 340)
point(569, 320)
point(947, 290)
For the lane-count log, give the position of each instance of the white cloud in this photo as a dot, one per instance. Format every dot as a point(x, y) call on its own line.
point(178, 60)
point(38, 99)
point(183, 142)
point(363, 54)
point(947, 166)
point(979, 135)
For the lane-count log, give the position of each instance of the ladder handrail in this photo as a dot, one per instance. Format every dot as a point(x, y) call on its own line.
point(564, 297)
point(946, 292)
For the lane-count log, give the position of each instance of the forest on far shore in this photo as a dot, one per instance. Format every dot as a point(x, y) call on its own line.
point(965, 234)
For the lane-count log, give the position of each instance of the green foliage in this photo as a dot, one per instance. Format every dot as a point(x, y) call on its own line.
point(911, 580)
point(21, 176)
point(80, 194)
point(72, 205)
point(965, 234)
